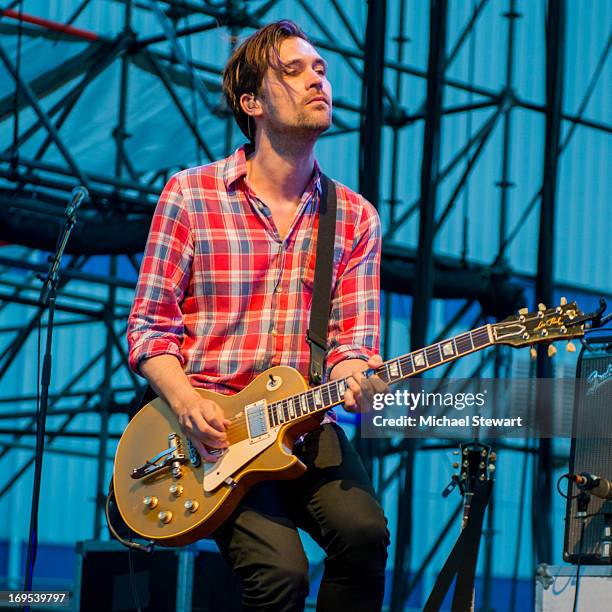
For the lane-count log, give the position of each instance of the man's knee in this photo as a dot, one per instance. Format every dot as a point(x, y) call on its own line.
point(362, 542)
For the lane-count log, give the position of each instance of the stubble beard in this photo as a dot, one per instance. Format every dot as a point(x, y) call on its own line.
point(307, 125)
point(313, 122)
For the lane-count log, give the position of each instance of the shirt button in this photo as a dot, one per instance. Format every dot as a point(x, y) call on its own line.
point(274, 331)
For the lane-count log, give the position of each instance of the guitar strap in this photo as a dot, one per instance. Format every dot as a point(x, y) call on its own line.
point(316, 336)
point(461, 562)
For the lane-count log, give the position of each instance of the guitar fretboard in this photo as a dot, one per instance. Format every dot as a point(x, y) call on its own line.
point(332, 393)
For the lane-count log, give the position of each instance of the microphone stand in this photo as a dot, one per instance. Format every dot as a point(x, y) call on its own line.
point(46, 300)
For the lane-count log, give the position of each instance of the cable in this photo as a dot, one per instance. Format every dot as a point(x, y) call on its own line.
point(569, 484)
point(14, 155)
point(149, 548)
point(133, 581)
point(575, 607)
point(583, 502)
point(131, 546)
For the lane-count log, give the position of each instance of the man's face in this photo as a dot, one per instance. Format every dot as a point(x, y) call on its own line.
point(296, 97)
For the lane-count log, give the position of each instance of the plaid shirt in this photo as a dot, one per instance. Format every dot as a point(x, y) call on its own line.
point(220, 290)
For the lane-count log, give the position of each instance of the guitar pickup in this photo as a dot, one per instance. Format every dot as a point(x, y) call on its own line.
point(257, 420)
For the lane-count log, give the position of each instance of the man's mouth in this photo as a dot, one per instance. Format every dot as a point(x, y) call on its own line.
point(319, 99)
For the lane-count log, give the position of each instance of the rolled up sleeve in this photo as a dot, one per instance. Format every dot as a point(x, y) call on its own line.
point(155, 324)
point(354, 327)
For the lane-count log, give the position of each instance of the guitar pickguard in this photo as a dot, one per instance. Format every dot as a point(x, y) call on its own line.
point(237, 456)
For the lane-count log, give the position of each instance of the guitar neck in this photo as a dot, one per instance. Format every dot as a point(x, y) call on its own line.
point(330, 394)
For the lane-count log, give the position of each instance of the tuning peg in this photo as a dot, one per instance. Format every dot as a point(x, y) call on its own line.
point(523, 311)
point(552, 350)
point(563, 300)
point(541, 307)
point(569, 347)
point(533, 353)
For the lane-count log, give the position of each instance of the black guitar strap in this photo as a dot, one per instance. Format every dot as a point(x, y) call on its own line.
point(316, 336)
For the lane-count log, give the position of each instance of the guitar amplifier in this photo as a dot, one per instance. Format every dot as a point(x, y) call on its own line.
point(591, 451)
point(189, 579)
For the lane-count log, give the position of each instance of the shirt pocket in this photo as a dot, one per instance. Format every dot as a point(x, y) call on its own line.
point(308, 259)
point(307, 267)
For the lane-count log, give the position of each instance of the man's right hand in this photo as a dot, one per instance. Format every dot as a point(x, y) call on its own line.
point(204, 423)
point(202, 420)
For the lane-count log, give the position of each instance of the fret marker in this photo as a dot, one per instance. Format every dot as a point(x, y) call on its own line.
point(317, 397)
point(419, 360)
point(304, 404)
point(393, 369)
point(447, 349)
point(341, 387)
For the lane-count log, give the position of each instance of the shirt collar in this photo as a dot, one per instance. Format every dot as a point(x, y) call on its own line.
point(235, 168)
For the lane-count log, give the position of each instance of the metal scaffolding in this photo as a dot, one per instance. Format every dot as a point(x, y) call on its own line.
point(34, 189)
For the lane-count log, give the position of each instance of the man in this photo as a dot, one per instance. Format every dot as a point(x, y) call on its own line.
point(224, 293)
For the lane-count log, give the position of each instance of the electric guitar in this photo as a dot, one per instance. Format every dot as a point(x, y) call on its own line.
point(167, 494)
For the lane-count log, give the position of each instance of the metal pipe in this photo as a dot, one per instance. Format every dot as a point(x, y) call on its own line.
point(54, 26)
point(38, 109)
point(555, 56)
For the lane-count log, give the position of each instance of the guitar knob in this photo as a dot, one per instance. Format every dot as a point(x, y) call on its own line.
point(191, 505)
point(491, 467)
point(493, 456)
point(541, 307)
point(455, 465)
point(552, 350)
point(533, 353)
point(523, 311)
point(175, 490)
point(563, 300)
point(150, 501)
point(570, 347)
point(165, 516)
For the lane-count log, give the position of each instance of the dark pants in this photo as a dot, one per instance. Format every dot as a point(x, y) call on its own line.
point(334, 502)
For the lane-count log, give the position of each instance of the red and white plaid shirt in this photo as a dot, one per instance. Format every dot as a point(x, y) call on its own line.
point(220, 290)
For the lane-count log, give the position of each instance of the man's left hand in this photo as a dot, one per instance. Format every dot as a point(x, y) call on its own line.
point(359, 396)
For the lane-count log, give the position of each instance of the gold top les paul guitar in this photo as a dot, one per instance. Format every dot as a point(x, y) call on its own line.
point(167, 494)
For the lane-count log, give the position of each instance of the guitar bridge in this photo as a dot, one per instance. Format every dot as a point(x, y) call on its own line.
point(172, 458)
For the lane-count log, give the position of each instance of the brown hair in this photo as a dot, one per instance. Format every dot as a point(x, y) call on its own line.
point(246, 67)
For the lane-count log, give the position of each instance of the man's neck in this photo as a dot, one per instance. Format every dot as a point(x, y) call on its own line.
point(279, 169)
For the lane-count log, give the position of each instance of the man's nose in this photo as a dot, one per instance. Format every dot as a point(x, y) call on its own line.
point(315, 80)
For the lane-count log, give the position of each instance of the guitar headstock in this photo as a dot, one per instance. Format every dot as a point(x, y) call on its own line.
point(564, 322)
point(476, 465)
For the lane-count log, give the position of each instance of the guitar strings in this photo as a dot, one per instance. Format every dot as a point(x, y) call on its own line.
point(239, 422)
